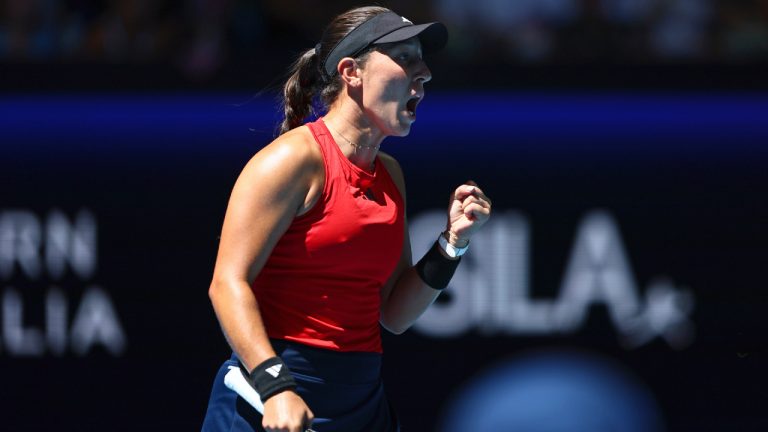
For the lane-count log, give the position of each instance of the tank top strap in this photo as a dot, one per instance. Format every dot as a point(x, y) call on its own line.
point(322, 136)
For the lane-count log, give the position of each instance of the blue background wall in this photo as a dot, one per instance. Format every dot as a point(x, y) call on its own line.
point(679, 177)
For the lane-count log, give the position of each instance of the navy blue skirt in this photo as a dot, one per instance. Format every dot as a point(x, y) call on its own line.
point(344, 390)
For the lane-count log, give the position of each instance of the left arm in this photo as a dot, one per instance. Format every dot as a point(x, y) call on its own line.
point(406, 296)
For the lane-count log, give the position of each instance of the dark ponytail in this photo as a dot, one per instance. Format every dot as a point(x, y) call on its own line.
point(299, 90)
point(306, 79)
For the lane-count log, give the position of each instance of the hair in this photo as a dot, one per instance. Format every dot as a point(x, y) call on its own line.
point(307, 79)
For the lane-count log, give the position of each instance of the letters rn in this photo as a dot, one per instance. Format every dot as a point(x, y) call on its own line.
point(35, 249)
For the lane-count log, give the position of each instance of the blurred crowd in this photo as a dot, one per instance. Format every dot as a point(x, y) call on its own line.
point(201, 35)
point(633, 31)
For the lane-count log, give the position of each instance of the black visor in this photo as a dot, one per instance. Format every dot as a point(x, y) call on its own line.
point(383, 28)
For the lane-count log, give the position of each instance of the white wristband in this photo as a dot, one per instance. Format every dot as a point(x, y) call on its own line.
point(451, 250)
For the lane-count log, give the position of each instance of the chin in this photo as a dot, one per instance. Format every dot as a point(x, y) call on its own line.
point(399, 126)
point(403, 131)
point(403, 128)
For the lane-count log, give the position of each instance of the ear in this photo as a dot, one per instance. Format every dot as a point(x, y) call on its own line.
point(349, 71)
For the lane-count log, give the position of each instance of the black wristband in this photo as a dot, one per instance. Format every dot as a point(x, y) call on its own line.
point(271, 377)
point(435, 269)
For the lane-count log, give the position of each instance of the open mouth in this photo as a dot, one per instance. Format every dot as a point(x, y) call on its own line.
point(410, 106)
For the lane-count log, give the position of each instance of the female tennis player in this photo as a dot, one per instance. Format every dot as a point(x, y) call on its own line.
point(314, 251)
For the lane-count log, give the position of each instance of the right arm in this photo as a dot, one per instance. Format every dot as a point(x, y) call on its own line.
point(280, 182)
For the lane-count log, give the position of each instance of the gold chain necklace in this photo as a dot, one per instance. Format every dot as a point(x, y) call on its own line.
point(355, 146)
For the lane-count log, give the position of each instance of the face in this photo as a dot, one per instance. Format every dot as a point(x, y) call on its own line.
point(393, 85)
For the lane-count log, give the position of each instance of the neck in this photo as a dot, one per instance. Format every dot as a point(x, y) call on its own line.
point(357, 142)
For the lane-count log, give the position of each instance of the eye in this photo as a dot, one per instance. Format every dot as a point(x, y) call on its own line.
point(408, 57)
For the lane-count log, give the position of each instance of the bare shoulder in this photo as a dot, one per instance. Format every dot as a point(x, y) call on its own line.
point(292, 153)
point(394, 169)
point(289, 169)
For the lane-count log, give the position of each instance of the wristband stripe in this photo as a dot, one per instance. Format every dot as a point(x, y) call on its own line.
point(271, 377)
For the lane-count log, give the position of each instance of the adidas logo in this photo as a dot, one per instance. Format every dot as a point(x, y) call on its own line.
point(406, 20)
point(274, 370)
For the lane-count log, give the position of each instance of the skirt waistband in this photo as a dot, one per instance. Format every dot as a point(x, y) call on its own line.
point(348, 368)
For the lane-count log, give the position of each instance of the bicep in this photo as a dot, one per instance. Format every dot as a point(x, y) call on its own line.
point(264, 201)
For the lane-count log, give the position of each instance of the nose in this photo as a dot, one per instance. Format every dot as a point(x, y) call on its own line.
point(423, 74)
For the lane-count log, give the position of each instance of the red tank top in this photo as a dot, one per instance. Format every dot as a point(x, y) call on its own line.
point(321, 284)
